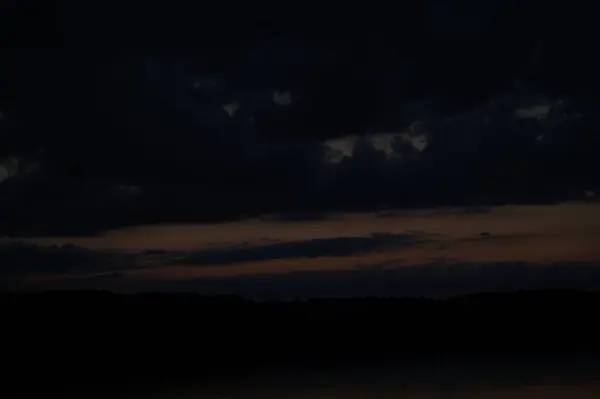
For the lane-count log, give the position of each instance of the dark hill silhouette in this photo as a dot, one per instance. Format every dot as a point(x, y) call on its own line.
point(102, 338)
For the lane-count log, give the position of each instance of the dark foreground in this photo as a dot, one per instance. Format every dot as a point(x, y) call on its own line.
point(103, 340)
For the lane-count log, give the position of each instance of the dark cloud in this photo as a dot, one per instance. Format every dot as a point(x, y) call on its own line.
point(70, 261)
point(438, 279)
point(19, 261)
point(340, 246)
point(69, 267)
point(491, 236)
point(422, 280)
point(299, 216)
point(476, 210)
point(130, 113)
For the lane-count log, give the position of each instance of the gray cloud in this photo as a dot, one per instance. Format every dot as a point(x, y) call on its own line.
point(22, 260)
point(77, 268)
point(340, 246)
point(463, 164)
point(437, 279)
point(18, 261)
point(158, 122)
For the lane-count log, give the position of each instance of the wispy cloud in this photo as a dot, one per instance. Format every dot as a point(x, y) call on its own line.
point(18, 260)
point(340, 246)
point(370, 265)
point(435, 279)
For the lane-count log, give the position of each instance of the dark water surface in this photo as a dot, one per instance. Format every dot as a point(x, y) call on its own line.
point(540, 377)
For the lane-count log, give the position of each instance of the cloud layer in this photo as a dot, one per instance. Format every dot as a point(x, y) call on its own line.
point(236, 122)
point(378, 264)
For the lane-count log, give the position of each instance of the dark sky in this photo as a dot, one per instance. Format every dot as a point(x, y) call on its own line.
point(117, 115)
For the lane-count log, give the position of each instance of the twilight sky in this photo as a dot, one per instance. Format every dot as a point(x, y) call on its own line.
point(293, 148)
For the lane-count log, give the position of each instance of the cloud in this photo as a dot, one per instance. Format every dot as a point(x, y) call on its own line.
point(22, 260)
point(384, 122)
point(127, 191)
point(458, 160)
point(283, 98)
point(299, 216)
point(23, 266)
point(340, 246)
point(8, 169)
point(430, 280)
point(534, 112)
point(465, 16)
point(26, 267)
point(231, 108)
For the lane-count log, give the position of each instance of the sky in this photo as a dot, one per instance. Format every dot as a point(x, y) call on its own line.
point(294, 148)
